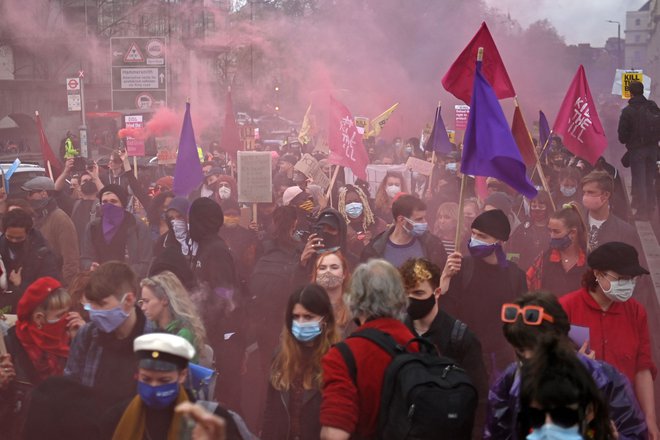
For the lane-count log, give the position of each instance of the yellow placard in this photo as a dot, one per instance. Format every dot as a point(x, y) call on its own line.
point(452, 136)
point(628, 77)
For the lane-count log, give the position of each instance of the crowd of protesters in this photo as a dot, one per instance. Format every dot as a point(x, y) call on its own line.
point(119, 289)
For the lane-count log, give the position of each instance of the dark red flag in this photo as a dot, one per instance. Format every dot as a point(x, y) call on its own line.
point(46, 151)
point(459, 79)
point(345, 142)
point(230, 140)
point(523, 140)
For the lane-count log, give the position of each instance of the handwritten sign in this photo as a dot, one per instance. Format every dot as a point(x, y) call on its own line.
point(310, 167)
point(166, 150)
point(419, 166)
point(255, 179)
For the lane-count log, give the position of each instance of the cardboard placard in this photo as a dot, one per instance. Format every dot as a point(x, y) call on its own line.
point(419, 166)
point(166, 150)
point(310, 167)
point(255, 178)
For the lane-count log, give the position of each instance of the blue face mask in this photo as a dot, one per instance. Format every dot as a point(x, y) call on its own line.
point(418, 228)
point(561, 243)
point(108, 320)
point(305, 331)
point(554, 432)
point(481, 249)
point(160, 396)
point(568, 191)
point(354, 210)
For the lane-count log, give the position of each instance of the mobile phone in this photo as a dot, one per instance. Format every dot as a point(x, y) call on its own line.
point(579, 335)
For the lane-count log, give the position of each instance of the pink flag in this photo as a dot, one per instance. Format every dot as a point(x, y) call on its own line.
point(345, 142)
point(577, 121)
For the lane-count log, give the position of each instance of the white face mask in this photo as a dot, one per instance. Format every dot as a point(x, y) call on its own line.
point(224, 192)
point(392, 190)
point(620, 290)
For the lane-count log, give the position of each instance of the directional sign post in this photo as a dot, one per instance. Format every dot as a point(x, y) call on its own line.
point(139, 73)
point(73, 94)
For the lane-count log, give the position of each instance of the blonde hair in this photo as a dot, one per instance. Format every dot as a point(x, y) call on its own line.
point(367, 214)
point(58, 299)
point(342, 315)
point(448, 208)
point(166, 285)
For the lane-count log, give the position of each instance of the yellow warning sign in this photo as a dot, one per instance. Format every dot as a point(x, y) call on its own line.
point(626, 78)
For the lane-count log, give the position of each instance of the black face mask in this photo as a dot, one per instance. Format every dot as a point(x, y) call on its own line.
point(16, 247)
point(419, 308)
point(88, 188)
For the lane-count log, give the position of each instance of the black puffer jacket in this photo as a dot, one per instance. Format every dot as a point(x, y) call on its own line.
point(631, 123)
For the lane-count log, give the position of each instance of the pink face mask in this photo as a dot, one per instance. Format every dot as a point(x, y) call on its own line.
point(592, 203)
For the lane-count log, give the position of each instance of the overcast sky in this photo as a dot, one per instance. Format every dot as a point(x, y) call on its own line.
point(579, 21)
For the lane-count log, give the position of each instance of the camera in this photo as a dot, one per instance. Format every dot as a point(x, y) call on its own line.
point(79, 165)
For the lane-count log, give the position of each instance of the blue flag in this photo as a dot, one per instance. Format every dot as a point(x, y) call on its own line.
point(188, 170)
point(439, 141)
point(489, 148)
point(544, 131)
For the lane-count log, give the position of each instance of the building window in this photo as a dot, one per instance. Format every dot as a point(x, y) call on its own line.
point(637, 38)
point(638, 22)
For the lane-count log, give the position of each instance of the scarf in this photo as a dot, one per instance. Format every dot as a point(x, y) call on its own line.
point(111, 220)
point(47, 347)
point(133, 422)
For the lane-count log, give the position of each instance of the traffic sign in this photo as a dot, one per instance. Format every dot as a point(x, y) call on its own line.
point(74, 103)
point(139, 73)
point(72, 84)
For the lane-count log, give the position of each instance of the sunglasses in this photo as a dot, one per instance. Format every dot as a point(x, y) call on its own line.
point(531, 315)
point(563, 416)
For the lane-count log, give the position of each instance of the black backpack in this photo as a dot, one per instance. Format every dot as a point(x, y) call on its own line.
point(423, 396)
point(649, 124)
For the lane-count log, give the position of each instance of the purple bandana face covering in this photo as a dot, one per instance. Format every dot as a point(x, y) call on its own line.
point(111, 218)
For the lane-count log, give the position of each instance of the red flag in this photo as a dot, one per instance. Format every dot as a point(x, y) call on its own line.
point(578, 123)
point(345, 142)
point(459, 79)
point(523, 140)
point(230, 140)
point(46, 151)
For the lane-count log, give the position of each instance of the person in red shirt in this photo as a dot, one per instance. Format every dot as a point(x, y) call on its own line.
point(378, 300)
point(618, 327)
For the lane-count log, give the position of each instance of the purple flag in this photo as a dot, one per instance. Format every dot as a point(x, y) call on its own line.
point(439, 141)
point(544, 132)
point(489, 148)
point(188, 170)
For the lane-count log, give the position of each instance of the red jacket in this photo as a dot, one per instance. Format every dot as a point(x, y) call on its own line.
point(355, 409)
point(619, 335)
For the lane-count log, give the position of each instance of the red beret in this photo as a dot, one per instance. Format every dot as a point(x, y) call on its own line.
point(34, 295)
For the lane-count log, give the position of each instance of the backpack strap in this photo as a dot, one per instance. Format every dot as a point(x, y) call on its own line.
point(457, 334)
point(349, 359)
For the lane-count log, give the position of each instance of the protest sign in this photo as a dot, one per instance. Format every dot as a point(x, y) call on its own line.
point(626, 78)
point(134, 147)
point(462, 113)
point(166, 150)
point(376, 174)
point(419, 166)
point(255, 179)
point(310, 167)
point(451, 134)
point(617, 85)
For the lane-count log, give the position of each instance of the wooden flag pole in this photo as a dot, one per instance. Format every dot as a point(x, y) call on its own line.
point(332, 183)
point(254, 212)
point(135, 170)
point(538, 167)
point(50, 170)
point(459, 223)
point(545, 145)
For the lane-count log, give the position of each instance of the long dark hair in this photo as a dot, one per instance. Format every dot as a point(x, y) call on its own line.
point(569, 214)
point(555, 377)
point(289, 363)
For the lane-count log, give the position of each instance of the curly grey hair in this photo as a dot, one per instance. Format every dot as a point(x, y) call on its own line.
point(377, 291)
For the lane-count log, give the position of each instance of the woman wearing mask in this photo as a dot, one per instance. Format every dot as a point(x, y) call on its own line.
point(294, 398)
point(226, 189)
point(446, 222)
point(569, 191)
point(362, 224)
point(332, 273)
point(560, 268)
point(618, 326)
point(156, 214)
point(391, 185)
point(167, 304)
point(559, 399)
point(531, 237)
point(38, 345)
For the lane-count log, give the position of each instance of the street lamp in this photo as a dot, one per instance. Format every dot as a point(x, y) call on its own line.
point(618, 42)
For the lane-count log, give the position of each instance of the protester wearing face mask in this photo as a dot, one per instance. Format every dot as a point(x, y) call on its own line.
point(86, 209)
point(559, 269)
point(483, 281)
point(293, 400)
point(362, 224)
point(54, 224)
point(243, 243)
point(527, 321)
point(162, 370)
point(453, 339)
point(408, 237)
point(604, 226)
point(25, 256)
point(226, 189)
point(118, 235)
point(618, 326)
point(331, 272)
point(101, 354)
point(569, 187)
point(38, 346)
point(530, 239)
point(391, 185)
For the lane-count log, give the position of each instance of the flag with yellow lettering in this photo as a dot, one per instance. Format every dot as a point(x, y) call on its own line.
point(379, 121)
point(307, 128)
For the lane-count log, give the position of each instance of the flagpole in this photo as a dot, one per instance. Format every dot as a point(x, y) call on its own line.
point(538, 168)
point(540, 155)
point(459, 223)
point(332, 183)
point(429, 190)
point(50, 170)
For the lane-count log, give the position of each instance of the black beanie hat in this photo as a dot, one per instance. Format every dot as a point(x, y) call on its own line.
point(117, 190)
point(494, 223)
point(205, 218)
